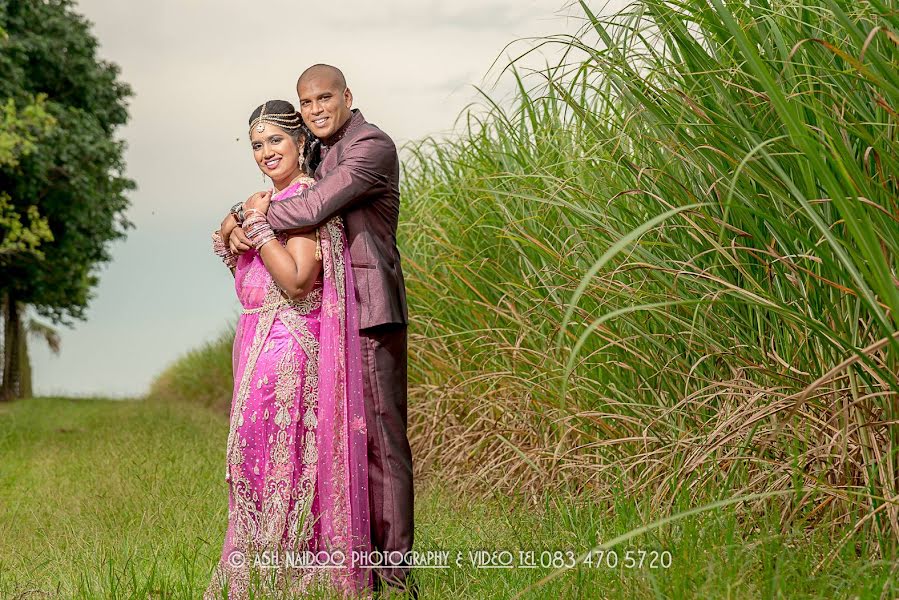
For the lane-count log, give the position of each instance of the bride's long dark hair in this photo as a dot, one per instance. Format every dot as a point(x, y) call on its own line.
point(294, 126)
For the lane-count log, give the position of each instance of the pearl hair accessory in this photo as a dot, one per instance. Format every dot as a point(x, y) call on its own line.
point(282, 120)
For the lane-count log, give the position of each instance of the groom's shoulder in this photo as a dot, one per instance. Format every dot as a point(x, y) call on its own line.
point(369, 132)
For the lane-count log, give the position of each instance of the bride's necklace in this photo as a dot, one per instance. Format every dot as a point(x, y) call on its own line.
point(292, 181)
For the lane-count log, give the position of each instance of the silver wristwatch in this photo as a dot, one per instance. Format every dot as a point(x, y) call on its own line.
point(237, 211)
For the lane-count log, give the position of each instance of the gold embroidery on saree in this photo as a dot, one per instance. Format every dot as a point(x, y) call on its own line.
point(341, 494)
point(286, 508)
point(256, 530)
point(263, 326)
point(299, 522)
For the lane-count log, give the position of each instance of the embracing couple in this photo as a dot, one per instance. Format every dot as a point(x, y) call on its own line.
point(319, 468)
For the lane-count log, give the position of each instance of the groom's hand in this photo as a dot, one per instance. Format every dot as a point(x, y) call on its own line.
point(228, 223)
point(238, 241)
point(258, 201)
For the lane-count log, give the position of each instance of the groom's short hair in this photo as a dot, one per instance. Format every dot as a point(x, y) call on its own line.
point(321, 69)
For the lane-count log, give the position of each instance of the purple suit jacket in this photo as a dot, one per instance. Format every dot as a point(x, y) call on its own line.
point(358, 177)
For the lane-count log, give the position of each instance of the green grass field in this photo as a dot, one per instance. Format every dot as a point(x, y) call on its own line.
point(122, 499)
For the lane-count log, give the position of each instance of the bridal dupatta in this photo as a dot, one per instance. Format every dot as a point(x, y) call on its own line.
point(297, 446)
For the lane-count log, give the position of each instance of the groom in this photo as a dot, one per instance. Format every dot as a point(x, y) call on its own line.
point(359, 178)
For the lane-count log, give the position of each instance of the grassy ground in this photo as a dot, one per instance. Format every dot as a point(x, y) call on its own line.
point(116, 499)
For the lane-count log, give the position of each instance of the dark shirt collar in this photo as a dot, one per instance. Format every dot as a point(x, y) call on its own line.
point(355, 119)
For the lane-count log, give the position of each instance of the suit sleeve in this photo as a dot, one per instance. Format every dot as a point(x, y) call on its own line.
point(361, 174)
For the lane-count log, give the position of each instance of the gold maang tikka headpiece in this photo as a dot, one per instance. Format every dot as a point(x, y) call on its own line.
point(261, 118)
point(283, 120)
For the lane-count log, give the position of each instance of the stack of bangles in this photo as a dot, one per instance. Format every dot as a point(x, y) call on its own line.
point(256, 228)
point(222, 251)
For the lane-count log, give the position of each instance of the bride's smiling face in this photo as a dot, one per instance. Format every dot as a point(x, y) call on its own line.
point(276, 153)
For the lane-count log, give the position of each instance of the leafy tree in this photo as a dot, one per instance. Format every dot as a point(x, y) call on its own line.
point(18, 133)
point(61, 170)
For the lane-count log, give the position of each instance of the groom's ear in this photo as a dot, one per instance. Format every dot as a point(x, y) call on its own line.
point(348, 98)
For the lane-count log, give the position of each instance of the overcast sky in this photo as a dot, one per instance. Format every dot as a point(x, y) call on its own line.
point(198, 68)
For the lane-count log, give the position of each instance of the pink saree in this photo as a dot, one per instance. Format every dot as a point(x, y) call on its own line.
point(297, 466)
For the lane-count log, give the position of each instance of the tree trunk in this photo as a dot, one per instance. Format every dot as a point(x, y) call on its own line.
point(13, 345)
point(24, 376)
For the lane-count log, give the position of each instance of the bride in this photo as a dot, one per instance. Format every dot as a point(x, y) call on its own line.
point(296, 452)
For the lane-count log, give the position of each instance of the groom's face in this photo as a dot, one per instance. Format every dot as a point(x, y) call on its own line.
point(324, 103)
